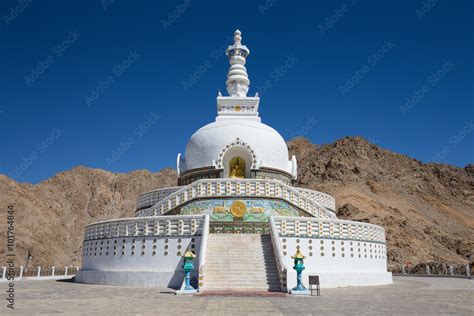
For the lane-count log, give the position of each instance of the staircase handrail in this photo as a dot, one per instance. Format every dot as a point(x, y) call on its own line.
point(280, 260)
point(203, 247)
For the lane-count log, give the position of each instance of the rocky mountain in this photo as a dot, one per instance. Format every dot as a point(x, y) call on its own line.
point(50, 216)
point(427, 210)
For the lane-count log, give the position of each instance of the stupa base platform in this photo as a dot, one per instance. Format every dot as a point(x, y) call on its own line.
point(243, 293)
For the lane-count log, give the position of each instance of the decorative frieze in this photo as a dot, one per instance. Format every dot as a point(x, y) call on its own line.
point(211, 188)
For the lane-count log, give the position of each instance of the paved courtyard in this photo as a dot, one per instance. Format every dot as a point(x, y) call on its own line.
point(407, 295)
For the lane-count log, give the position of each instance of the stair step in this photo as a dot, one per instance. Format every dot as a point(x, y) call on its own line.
point(241, 288)
point(242, 272)
point(239, 281)
point(253, 276)
point(246, 284)
point(236, 281)
point(243, 267)
point(261, 252)
point(244, 264)
point(240, 262)
point(236, 246)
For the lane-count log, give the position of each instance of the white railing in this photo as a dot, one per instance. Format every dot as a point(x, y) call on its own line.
point(183, 225)
point(280, 260)
point(203, 248)
point(328, 228)
point(38, 273)
point(322, 198)
point(214, 188)
point(152, 197)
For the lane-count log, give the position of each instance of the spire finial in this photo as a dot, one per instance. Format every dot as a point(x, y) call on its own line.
point(237, 36)
point(237, 79)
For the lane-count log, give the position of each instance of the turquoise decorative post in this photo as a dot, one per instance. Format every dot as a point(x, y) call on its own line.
point(299, 267)
point(188, 266)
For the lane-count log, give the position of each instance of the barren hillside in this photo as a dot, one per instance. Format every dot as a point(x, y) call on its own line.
point(427, 210)
point(50, 216)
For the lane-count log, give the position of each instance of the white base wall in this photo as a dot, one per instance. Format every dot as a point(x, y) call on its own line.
point(342, 279)
point(162, 253)
point(171, 280)
point(150, 261)
point(341, 253)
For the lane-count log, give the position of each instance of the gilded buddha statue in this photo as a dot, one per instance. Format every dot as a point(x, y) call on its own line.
point(237, 168)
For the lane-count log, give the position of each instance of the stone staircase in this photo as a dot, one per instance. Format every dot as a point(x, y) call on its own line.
point(240, 262)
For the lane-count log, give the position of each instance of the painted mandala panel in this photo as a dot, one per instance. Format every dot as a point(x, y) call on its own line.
point(250, 210)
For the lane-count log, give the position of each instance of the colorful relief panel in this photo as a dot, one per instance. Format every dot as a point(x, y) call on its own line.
point(249, 210)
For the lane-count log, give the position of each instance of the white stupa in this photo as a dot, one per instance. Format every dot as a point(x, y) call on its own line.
point(236, 208)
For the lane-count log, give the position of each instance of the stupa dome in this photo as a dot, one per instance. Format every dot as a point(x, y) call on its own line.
point(263, 145)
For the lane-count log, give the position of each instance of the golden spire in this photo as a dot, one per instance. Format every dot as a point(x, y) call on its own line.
point(189, 254)
point(298, 255)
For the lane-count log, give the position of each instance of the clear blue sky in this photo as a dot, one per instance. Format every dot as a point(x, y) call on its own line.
point(78, 79)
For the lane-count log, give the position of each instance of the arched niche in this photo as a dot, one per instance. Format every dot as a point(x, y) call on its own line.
point(237, 156)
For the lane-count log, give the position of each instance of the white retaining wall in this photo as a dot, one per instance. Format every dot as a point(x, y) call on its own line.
point(339, 257)
point(140, 251)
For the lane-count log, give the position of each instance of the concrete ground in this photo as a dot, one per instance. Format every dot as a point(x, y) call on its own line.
point(406, 296)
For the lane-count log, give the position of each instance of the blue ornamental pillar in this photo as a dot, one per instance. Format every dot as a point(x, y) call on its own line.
point(299, 267)
point(188, 266)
